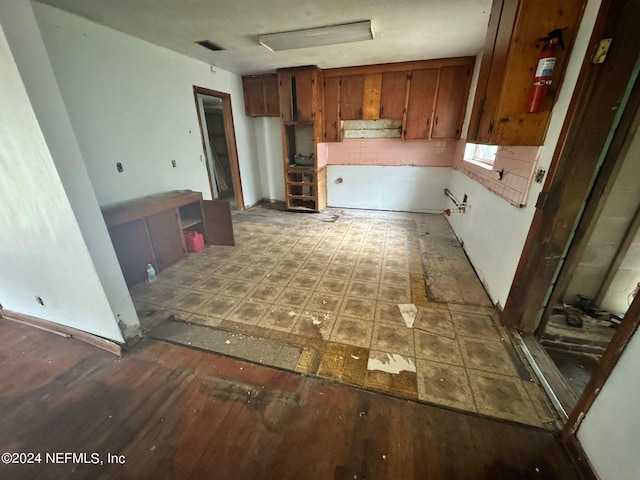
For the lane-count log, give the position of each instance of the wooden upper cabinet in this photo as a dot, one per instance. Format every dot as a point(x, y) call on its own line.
point(423, 85)
point(299, 94)
point(351, 97)
point(453, 90)
point(261, 95)
point(393, 94)
point(331, 109)
point(509, 61)
point(429, 96)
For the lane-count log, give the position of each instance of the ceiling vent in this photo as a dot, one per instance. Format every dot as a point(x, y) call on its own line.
point(209, 45)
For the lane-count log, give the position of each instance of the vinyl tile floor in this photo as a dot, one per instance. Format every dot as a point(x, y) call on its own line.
point(324, 292)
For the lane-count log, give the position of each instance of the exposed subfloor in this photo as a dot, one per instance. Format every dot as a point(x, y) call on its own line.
point(575, 367)
point(169, 412)
point(320, 294)
point(592, 336)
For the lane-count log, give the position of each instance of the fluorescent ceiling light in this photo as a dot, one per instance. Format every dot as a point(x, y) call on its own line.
point(316, 37)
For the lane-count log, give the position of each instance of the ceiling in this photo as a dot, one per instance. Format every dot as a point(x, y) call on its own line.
point(405, 29)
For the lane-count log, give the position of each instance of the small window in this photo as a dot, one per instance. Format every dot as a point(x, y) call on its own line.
point(481, 155)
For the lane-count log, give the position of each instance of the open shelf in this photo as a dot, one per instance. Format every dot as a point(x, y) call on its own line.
point(189, 222)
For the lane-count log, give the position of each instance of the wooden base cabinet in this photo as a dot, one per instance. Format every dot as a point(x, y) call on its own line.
point(150, 230)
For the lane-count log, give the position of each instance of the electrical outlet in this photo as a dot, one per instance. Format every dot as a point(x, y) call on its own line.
point(40, 301)
point(173, 163)
point(119, 167)
point(540, 175)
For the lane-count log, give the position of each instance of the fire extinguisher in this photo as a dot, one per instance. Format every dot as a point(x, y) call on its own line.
point(544, 70)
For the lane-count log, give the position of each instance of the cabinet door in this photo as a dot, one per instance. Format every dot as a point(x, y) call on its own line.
point(453, 88)
point(484, 108)
point(166, 236)
point(331, 108)
point(422, 94)
point(351, 97)
point(271, 97)
point(253, 96)
point(218, 226)
point(285, 88)
point(133, 248)
point(393, 94)
point(302, 92)
point(372, 92)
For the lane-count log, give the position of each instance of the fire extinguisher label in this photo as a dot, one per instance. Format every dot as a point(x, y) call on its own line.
point(545, 67)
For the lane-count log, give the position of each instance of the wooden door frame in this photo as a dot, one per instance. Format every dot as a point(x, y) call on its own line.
point(230, 133)
point(601, 116)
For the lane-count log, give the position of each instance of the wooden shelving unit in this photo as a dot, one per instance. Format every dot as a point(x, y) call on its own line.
point(300, 92)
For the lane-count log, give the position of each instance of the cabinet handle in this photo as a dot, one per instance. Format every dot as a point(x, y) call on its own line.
point(360, 112)
point(490, 127)
point(381, 110)
point(436, 120)
point(427, 127)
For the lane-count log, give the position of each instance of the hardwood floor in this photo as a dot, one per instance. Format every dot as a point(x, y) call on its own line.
point(175, 412)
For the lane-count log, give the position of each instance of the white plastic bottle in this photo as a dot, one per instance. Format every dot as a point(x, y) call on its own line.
point(151, 274)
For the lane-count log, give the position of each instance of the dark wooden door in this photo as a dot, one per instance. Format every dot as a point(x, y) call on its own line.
point(218, 226)
point(331, 108)
point(453, 87)
point(133, 248)
point(422, 95)
point(166, 236)
point(351, 97)
point(393, 94)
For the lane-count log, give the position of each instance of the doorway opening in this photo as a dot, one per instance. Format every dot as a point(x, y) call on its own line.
point(598, 284)
point(219, 145)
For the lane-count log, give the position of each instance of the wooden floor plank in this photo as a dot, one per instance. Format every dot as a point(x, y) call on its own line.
point(175, 412)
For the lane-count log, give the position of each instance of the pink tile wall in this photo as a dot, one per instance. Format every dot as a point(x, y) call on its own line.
point(391, 151)
point(519, 165)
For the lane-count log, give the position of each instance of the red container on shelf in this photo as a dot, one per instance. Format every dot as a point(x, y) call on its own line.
point(194, 241)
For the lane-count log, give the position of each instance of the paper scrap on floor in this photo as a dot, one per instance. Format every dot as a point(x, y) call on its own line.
point(394, 363)
point(409, 312)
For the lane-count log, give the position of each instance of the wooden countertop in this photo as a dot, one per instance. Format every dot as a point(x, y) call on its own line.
point(130, 210)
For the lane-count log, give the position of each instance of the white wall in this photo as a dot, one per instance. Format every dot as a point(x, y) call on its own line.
point(406, 188)
point(42, 249)
point(493, 231)
point(610, 432)
point(132, 102)
point(269, 148)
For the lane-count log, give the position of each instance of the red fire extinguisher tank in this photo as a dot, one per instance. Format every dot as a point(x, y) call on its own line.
point(544, 71)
